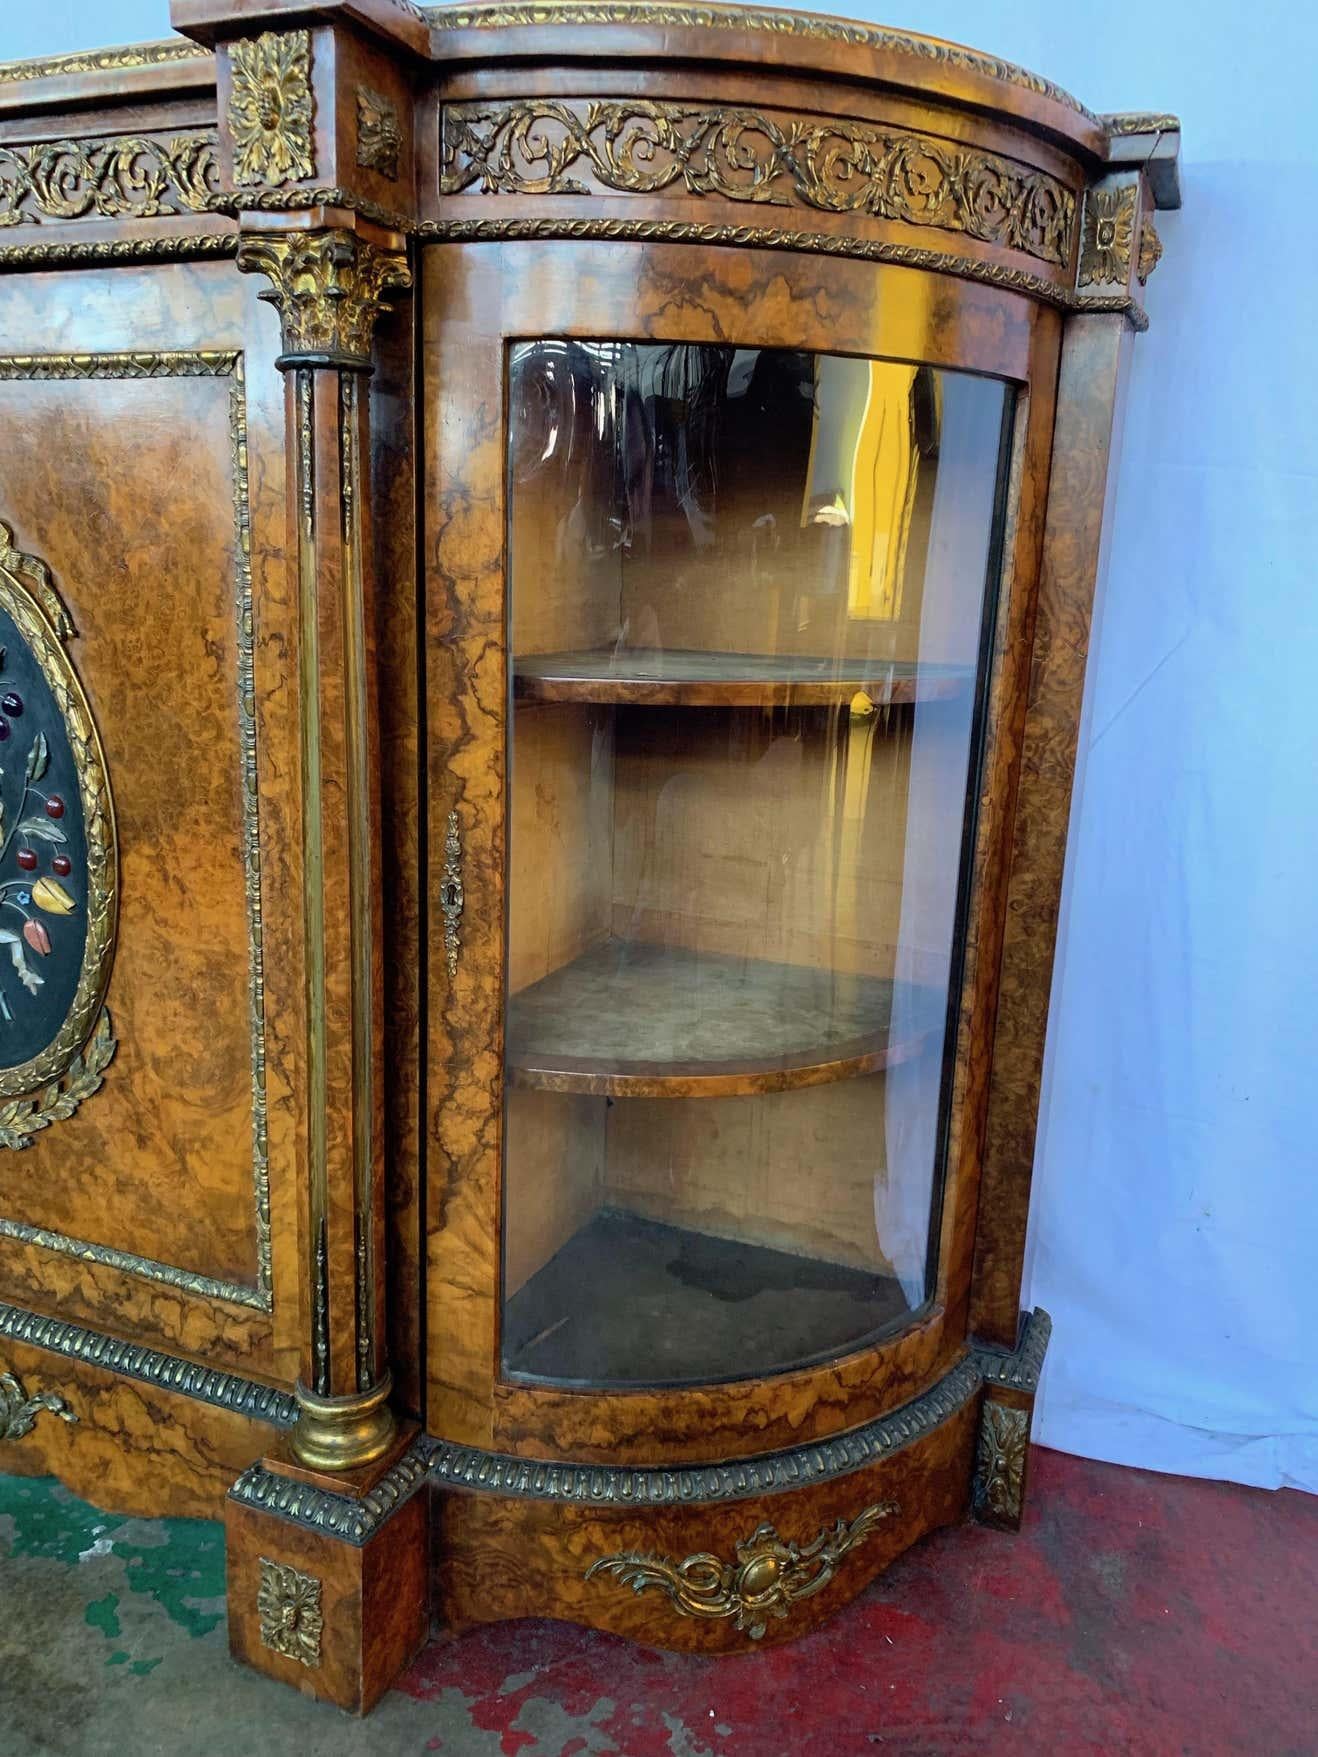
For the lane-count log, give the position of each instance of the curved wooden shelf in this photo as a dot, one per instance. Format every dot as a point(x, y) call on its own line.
point(665, 678)
point(632, 1020)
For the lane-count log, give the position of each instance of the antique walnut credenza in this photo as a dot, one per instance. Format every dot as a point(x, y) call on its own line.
point(546, 561)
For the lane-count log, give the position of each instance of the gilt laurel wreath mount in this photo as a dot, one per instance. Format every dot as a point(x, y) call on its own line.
point(48, 1085)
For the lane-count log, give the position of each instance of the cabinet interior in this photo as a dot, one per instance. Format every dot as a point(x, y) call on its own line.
point(711, 984)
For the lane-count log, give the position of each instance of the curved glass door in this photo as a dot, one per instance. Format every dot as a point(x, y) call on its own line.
point(748, 595)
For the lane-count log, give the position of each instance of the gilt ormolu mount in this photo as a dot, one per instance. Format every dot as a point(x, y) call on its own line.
point(580, 524)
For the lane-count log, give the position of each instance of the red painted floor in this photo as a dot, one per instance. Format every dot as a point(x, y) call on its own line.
point(1134, 1613)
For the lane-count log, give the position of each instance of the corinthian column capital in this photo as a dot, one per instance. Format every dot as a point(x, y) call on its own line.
point(329, 287)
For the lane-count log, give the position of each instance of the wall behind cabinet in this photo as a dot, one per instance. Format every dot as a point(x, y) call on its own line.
point(1174, 1224)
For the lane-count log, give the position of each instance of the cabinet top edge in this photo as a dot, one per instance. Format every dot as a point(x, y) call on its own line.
point(789, 27)
point(106, 78)
point(627, 33)
point(782, 41)
point(164, 55)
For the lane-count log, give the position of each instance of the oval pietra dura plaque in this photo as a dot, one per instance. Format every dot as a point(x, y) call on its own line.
point(57, 863)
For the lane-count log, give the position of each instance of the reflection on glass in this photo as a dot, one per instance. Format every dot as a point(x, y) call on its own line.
point(748, 588)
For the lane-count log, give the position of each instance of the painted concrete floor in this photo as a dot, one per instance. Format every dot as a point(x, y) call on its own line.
point(1135, 1614)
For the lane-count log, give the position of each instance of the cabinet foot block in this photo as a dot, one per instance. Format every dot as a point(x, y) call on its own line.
point(328, 1583)
point(1002, 1447)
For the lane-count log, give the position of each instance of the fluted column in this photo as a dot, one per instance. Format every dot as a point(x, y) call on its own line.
point(329, 286)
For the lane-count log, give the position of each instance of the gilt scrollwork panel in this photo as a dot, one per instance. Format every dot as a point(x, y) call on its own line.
point(768, 1575)
point(127, 177)
point(632, 146)
point(19, 1409)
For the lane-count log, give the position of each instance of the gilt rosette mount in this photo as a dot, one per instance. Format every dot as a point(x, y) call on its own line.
point(58, 863)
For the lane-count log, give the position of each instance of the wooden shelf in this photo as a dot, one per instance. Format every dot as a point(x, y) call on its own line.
point(629, 1301)
point(664, 678)
point(632, 1020)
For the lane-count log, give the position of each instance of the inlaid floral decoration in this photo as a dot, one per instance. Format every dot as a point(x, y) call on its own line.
point(34, 859)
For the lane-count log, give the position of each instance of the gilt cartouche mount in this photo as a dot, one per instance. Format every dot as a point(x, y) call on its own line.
point(275, 300)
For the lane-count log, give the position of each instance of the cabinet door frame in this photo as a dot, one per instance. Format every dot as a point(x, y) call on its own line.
point(476, 298)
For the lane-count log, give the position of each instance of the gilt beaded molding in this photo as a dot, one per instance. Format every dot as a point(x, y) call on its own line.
point(466, 1467)
point(469, 1467)
point(106, 253)
point(103, 61)
point(1020, 1370)
point(131, 1360)
point(640, 231)
point(351, 1519)
point(632, 146)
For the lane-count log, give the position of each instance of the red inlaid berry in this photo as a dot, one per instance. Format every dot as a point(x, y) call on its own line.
point(27, 859)
point(5, 730)
point(54, 806)
point(12, 704)
point(62, 864)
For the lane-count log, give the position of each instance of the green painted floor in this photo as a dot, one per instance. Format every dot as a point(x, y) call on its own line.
point(113, 1644)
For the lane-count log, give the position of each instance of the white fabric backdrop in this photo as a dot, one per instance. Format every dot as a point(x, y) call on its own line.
point(1175, 1225)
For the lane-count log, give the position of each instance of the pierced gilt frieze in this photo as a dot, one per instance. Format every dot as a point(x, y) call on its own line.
point(1004, 1439)
point(58, 863)
point(271, 109)
point(542, 147)
point(330, 287)
point(137, 176)
point(19, 1411)
point(1109, 236)
point(767, 1578)
point(379, 138)
point(289, 1611)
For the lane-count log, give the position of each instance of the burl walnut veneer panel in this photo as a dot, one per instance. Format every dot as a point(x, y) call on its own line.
point(145, 466)
point(496, 1557)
